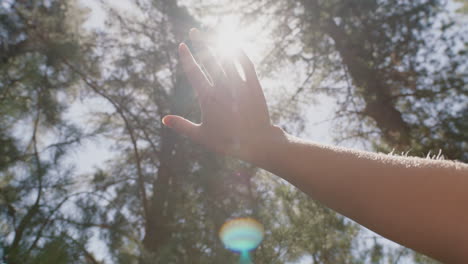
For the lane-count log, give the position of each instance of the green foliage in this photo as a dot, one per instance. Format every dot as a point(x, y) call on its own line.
point(36, 46)
point(303, 227)
point(8, 151)
point(395, 68)
point(54, 251)
point(165, 197)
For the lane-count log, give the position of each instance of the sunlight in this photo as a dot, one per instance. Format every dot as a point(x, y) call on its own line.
point(228, 38)
point(230, 35)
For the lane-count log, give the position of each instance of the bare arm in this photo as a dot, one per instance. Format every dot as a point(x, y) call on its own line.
point(419, 203)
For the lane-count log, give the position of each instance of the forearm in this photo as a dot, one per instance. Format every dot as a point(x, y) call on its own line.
point(393, 196)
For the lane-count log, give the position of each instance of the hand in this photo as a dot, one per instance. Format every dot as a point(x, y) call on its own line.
point(235, 119)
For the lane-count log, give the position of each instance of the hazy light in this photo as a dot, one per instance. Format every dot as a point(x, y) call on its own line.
point(229, 37)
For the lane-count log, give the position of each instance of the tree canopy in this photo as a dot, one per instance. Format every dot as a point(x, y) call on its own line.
point(396, 71)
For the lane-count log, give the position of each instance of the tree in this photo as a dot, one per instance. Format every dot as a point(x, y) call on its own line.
point(159, 204)
point(161, 198)
point(35, 182)
point(395, 68)
point(166, 198)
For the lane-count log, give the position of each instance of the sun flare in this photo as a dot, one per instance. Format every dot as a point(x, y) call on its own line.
point(230, 35)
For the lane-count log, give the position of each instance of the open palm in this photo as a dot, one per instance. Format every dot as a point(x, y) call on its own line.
point(235, 119)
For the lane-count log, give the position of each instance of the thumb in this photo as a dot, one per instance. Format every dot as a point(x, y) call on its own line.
point(182, 126)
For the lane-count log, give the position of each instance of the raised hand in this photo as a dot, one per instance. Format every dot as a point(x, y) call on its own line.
point(235, 119)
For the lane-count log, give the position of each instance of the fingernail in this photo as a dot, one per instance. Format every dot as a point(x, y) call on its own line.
point(183, 49)
point(193, 33)
point(166, 121)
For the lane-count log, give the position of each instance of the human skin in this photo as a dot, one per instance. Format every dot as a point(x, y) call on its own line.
point(419, 203)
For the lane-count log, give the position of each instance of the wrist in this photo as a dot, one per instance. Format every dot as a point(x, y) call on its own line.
point(268, 146)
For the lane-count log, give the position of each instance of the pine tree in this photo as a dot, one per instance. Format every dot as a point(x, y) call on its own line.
point(34, 138)
point(396, 69)
point(166, 197)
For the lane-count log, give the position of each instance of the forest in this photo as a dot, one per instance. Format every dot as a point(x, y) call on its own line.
point(89, 174)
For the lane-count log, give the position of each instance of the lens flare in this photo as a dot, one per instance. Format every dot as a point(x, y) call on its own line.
point(242, 235)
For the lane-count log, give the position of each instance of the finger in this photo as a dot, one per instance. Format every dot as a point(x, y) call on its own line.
point(206, 56)
point(252, 92)
point(235, 80)
point(230, 69)
point(193, 71)
point(251, 78)
point(248, 68)
point(182, 126)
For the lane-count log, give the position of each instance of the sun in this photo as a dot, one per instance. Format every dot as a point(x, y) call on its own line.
point(230, 36)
